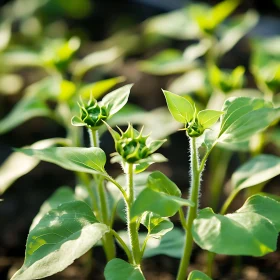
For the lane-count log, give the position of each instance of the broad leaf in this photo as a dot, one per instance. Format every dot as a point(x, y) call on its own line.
point(257, 170)
point(264, 206)
point(89, 160)
point(116, 99)
point(26, 109)
point(198, 275)
point(245, 233)
point(180, 108)
point(60, 196)
point(71, 227)
point(156, 225)
point(18, 164)
point(244, 117)
point(164, 192)
point(207, 118)
point(118, 269)
point(171, 244)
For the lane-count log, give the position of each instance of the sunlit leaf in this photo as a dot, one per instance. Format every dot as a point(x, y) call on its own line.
point(180, 108)
point(198, 275)
point(71, 227)
point(208, 117)
point(245, 233)
point(18, 164)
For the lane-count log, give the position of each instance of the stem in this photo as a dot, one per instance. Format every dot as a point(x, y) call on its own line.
point(124, 246)
point(210, 261)
point(132, 225)
point(192, 211)
point(107, 240)
point(229, 201)
point(182, 218)
point(219, 162)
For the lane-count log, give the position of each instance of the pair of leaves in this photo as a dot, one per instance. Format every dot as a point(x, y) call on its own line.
point(164, 192)
point(184, 112)
point(71, 227)
point(252, 230)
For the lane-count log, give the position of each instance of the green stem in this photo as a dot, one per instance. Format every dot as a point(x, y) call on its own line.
point(132, 225)
point(107, 240)
point(124, 246)
point(219, 162)
point(229, 201)
point(192, 211)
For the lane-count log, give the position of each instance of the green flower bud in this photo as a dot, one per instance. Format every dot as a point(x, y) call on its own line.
point(132, 146)
point(92, 115)
point(195, 129)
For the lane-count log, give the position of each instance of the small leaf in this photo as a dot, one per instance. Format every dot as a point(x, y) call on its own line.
point(264, 206)
point(171, 244)
point(164, 192)
point(156, 225)
point(145, 163)
point(244, 117)
point(247, 233)
point(26, 109)
point(257, 170)
point(71, 227)
point(116, 99)
point(198, 275)
point(76, 121)
point(157, 181)
point(18, 164)
point(118, 269)
point(60, 196)
point(87, 160)
point(5, 34)
point(207, 118)
point(180, 108)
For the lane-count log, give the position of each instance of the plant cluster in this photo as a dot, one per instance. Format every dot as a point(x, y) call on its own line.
point(211, 106)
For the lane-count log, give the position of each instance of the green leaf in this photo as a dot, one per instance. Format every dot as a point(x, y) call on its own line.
point(156, 225)
point(244, 117)
point(71, 227)
point(26, 109)
point(198, 275)
point(247, 233)
point(170, 61)
point(257, 170)
point(145, 163)
point(118, 269)
point(171, 244)
point(18, 164)
point(60, 196)
point(95, 59)
point(180, 108)
point(207, 118)
point(164, 192)
point(87, 160)
point(176, 25)
point(97, 89)
point(157, 181)
point(116, 99)
point(237, 29)
point(264, 206)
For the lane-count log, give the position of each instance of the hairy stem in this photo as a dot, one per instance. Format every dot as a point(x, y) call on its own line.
point(192, 211)
point(132, 225)
point(107, 240)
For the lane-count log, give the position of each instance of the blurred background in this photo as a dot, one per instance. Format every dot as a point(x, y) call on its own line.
point(52, 51)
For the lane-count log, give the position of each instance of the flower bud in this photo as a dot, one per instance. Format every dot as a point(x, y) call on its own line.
point(132, 146)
